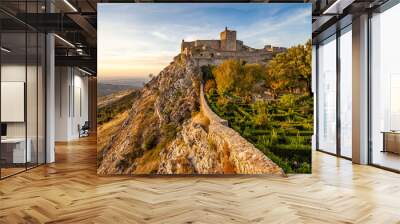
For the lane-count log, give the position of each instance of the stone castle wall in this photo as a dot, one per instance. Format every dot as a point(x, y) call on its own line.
point(213, 44)
point(214, 52)
point(218, 58)
point(246, 158)
point(206, 110)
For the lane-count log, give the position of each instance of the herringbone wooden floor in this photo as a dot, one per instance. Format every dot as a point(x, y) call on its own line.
point(69, 191)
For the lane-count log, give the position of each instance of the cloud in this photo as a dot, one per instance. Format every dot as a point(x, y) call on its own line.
point(160, 35)
point(278, 28)
point(142, 38)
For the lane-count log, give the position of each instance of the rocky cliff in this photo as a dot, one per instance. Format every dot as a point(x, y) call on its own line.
point(165, 132)
point(156, 116)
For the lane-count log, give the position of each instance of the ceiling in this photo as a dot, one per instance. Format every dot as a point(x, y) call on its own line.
point(75, 22)
point(330, 15)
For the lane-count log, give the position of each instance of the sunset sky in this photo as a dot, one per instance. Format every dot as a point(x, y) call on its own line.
point(135, 40)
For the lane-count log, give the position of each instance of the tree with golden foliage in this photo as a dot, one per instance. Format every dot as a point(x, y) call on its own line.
point(291, 70)
point(237, 77)
point(227, 75)
point(210, 85)
point(252, 74)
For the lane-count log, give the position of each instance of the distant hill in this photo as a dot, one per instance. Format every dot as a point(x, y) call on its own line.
point(113, 97)
point(104, 89)
point(110, 86)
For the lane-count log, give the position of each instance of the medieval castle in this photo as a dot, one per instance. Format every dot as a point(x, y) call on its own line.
point(228, 47)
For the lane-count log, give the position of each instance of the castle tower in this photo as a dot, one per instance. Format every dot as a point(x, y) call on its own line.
point(183, 45)
point(228, 40)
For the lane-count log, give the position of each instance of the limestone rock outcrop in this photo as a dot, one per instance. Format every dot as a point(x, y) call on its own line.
point(155, 117)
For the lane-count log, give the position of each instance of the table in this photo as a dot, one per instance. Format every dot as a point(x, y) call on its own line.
point(13, 150)
point(391, 141)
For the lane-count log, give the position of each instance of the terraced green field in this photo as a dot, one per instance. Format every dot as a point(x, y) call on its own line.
point(282, 132)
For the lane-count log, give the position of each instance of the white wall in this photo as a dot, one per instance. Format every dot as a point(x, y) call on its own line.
point(80, 109)
point(71, 103)
point(62, 82)
point(15, 73)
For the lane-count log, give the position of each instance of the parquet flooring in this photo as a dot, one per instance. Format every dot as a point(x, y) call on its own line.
point(69, 191)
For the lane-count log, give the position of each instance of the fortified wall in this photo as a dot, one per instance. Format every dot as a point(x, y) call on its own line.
point(246, 158)
point(214, 52)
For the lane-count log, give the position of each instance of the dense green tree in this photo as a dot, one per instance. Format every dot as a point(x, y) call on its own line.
point(206, 70)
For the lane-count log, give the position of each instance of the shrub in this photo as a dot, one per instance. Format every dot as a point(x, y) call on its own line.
point(150, 141)
point(134, 154)
point(209, 86)
point(212, 145)
point(261, 117)
point(246, 132)
point(274, 137)
point(222, 103)
point(264, 141)
point(169, 131)
point(303, 153)
point(287, 101)
point(122, 164)
point(304, 168)
point(298, 140)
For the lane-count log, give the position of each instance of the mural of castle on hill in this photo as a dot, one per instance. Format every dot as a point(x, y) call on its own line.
point(204, 89)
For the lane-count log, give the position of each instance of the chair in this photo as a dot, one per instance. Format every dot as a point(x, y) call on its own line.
point(84, 130)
